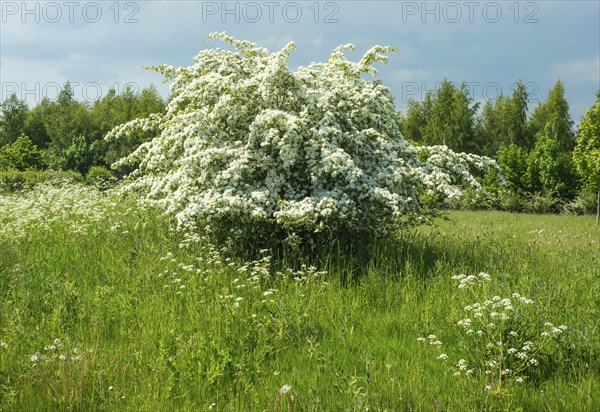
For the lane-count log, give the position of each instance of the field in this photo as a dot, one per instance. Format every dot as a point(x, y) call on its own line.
point(104, 307)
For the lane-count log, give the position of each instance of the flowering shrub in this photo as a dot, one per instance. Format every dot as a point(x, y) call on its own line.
point(498, 344)
point(247, 145)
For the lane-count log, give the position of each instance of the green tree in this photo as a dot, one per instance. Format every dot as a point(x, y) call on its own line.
point(452, 118)
point(37, 122)
point(517, 119)
point(13, 113)
point(149, 101)
point(513, 163)
point(551, 170)
point(511, 113)
point(554, 114)
point(79, 155)
point(67, 119)
point(417, 116)
point(22, 154)
point(587, 151)
point(486, 129)
point(503, 122)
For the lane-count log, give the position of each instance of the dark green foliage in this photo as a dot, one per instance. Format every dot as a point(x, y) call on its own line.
point(584, 204)
point(113, 110)
point(13, 113)
point(552, 118)
point(451, 119)
point(486, 130)
point(35, 125)
point(541, 204)
point(67, 120)
point(502, 122)
point(551, 170)
point(79, 156)
point(445, 117)
point(511, 201)
point(417, 117)
point(70, 133)
point(535, 154)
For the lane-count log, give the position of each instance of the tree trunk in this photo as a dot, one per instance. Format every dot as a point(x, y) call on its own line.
point(598, 206)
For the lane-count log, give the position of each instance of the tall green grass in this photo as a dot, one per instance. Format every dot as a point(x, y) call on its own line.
point(157, 326)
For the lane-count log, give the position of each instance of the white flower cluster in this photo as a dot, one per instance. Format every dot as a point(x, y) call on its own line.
point(494, 341)
point(553, 331)
point(471, 280)
point(55, 351)
point(448, 170)
point(245, 141)
point(432, 340)
point(78, 208)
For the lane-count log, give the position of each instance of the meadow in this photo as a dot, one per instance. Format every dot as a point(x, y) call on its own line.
point(105, 307)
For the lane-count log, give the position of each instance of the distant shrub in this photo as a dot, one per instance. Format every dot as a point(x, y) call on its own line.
point(100, 177)
point(511, 201)
point(13, 180)
point(476, 200)
point(584, 204)
point(538, 203)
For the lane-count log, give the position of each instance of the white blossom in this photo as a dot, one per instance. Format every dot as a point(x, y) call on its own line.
point(244, 139)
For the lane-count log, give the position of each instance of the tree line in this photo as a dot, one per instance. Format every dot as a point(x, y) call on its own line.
point(542, 156)
point(66, 134)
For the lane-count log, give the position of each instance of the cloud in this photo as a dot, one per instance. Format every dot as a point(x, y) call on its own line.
point(91, 78)
point(579, 71)
point(171, 32)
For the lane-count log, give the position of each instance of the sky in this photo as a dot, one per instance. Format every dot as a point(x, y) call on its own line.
point(96, 45)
